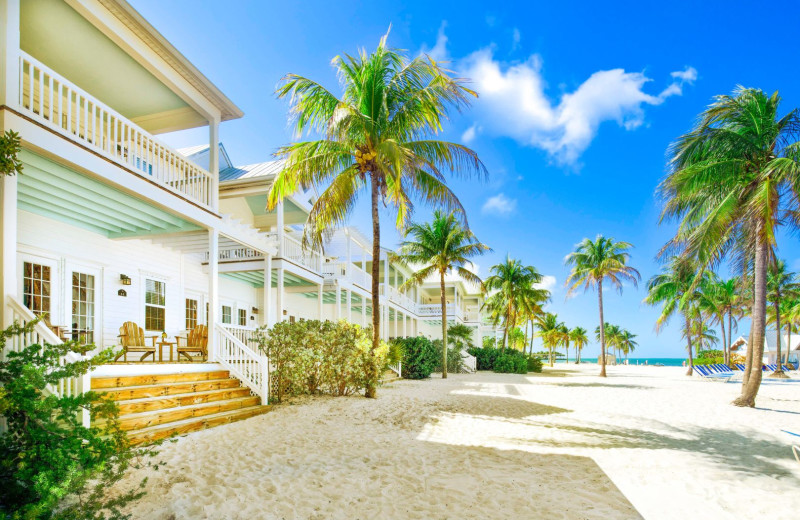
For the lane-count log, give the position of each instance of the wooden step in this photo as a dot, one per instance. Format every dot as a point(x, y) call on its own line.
point(155, 433)
point(138, 392)
point(150, 404)
point(156, 379)
point(139, 421)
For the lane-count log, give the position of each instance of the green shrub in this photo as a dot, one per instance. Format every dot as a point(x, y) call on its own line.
point(508, 363)
point(534, 364)
point(395, 354)
point(420, 357)
point(315, 357)
point(51, 466)
point(485, 357)
point(455, 361)
point(709, 357)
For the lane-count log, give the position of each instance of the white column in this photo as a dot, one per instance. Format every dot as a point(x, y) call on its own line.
point(9, 48)
point(337, 312)
point(213, 161)
point(385, 298)
point(213, 291)
point(363, 311)
point(8, 246)
point(350, 305)
point(279, 211)
point(348, 268)
point(405, 325)
point(268, 321)
point(279, 296)
point(320, 302)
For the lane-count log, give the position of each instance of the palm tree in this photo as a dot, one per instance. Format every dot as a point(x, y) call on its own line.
point(781, 285)
point(550, 332)
point(460, 335)
point(611, 333)
point(513, 293)
point(791, 312)
point(441, 246)
point(375, 137)
point(564, 337)
point(579, 339)
point(719, 299)
point(595, 261)
point(627, 343)
point(732, 181)
point(675, 290)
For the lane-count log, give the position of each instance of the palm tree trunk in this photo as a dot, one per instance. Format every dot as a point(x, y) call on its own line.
point(602, 331)
point(730, 332)
point(724, 346)
point(778, 371)
point(748, 359)
point(689, 344)
point(444, 326)
point(788, 342)
point(532, 334)
point(758, 323)
point(370, 390)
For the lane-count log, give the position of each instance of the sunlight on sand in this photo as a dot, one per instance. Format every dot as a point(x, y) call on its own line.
point(647, 441)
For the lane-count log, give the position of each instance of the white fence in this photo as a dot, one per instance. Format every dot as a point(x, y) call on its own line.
point(249, 366)
point(40, 334)
point(64, 107)
point(351, 273)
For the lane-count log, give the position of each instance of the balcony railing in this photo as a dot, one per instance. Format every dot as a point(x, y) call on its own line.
point(60, 105)
point(398, 298)
point(340, 271)
point(435, 310)
point(293, 250)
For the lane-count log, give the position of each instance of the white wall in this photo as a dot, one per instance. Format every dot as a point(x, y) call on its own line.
point(69, 249)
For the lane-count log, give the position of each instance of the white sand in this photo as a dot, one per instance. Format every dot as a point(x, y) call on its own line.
point(646, 442)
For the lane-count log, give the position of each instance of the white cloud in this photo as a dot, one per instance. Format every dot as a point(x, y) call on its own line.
point(470, 133)
point(439, 50)
point(499, 205)
point(548, 282)
point(513, 103)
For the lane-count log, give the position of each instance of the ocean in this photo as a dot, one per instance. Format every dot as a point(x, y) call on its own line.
point(669, 362)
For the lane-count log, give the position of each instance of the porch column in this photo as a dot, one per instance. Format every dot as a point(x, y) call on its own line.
point(268, 321)
point(337, 312)
point(8, 246)
point(350, 305)
point(320, 302)
point(9, 46)
point(213, 290)
point(405, 325)
point(348, 268)
point(363, 310)
point(280, 225)
point(213, 160)
point(279, 296)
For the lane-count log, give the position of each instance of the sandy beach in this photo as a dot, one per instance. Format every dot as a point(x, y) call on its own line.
point(645, 442)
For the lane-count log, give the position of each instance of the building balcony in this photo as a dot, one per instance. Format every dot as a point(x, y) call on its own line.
point(434, 310)
point(54, 102)
point(342, 272)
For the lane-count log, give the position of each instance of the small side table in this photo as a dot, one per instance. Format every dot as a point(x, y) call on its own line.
point(164, 343)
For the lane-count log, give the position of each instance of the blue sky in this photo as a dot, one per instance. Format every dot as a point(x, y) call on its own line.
point(579, 102)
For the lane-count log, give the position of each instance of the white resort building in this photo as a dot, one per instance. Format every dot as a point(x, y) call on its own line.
point(107, 225)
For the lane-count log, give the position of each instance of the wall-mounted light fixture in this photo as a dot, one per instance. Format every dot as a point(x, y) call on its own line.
point(125, 279)
point(254, 310)
point(285, 312)
point(122, 292)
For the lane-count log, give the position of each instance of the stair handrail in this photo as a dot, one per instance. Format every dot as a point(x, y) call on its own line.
point(249, 366)
point(42, 334)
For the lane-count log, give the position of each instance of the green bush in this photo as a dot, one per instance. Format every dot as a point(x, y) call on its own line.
point(420, 357)
point(485, 357)
point(508, 363)
point(709, 357)
point(455, 361)
point(315, 357)
point(51, 466)
point(534, 364)
point(488, 359)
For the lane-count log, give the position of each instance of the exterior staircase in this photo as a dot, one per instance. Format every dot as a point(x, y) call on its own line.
point(158, 406)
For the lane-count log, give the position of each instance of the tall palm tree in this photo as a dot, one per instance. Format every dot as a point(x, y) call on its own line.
point(675, 290)
point(594, 262)
point(700, 334)
point(791, 312)
point(720, 300)
point(513, 291)
point(440, 247)
point(627, 343)
point(564, 338)
point(781, 285)
point(375, 137)
point(732, 181)
point(579, 339)
point(550, 332)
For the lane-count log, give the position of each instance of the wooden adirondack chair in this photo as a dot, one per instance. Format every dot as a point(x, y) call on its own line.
point(196, 342)
point(132, 338)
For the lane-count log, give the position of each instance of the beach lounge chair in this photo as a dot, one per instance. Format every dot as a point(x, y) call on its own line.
point(196, 342)
point(740, 366)
point(795, 448)
point(706, 373)
point(132, 339)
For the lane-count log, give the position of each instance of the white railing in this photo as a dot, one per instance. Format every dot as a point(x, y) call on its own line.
point(41, 334)
point(360, 277)
point(334, 270)
point(61, 105)
point(397, 369)
point(469, 362)
point(397, 297)
point(247, 365)
point(246, 335)
point(351, 273)
point(238, 253)
point(293, 250)
point(435, 310)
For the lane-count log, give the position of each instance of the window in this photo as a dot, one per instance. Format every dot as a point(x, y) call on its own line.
point(82, 308)
point(154, 305)
point(36, 288)
point(191, 314)
point(226, 314)
point(243, 317)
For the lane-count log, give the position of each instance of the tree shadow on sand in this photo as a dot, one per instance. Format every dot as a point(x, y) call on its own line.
point(595, 384)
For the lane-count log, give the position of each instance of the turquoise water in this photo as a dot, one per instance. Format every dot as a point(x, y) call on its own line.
point(669, 362)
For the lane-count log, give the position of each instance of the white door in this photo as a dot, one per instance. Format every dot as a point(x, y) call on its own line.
point(84, 289)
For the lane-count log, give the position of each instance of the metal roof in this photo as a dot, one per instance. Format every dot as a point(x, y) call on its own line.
point(251, 171)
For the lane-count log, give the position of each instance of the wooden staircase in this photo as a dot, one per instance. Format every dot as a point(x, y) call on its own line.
point(154, 407)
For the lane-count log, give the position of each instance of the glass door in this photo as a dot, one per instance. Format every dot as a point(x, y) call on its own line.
point(82, 327)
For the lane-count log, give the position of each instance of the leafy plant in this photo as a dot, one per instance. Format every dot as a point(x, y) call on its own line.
point(508, 363)
point(419, 357)
point(455, 361)
point(9, 149)
point(51, 466)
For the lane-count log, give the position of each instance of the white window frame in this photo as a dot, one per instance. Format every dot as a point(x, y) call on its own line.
point(55, 316)
point(144, 304)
